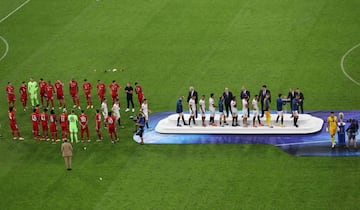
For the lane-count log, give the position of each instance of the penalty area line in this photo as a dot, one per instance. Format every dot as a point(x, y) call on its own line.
point(16, 9)
point(6, 48)
point(342, 64)
point(2, 20)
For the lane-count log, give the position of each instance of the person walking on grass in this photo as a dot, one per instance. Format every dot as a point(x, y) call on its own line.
point(67, 152)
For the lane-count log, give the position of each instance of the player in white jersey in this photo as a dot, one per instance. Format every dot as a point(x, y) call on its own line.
point(202, 109)
point(104, 110)
point(234, 111)
point(192, 109)
point(145, 110)
point(116, 112)
point(212, 109)
point(256, 111)
point(245, 108)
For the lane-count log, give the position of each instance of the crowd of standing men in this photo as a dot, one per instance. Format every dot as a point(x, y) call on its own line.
point(227, 104)
point(69, 123)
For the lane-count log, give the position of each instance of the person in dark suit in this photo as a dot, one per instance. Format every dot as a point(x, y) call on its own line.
point(290, 97)
point(193, 92)
point(301, 100)
point(245, 94)
point(227, 99)
point(262, 95)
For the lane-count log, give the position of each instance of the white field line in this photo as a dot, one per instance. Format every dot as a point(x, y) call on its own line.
point(16, 9)
point(299, 143)
point(342, 64)
point(6, 48)
point(2, 20)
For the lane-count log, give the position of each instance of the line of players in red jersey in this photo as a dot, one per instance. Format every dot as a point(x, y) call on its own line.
point(47, 92)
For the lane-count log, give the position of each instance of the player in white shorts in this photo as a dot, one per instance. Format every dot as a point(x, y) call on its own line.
point(212, 109)
point(145, 110)
point(116, 112)
point(256, 111)
point(192, 109)
point(245, 109)
point(202, 109)
point(234, 111)
point(104, 110)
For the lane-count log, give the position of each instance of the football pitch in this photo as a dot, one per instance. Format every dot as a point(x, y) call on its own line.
point(168, 46)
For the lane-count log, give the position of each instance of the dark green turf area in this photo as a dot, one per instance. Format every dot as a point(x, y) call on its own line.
point(168, 46)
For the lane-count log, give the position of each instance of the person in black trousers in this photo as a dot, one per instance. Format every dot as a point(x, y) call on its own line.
point(129, 97)
point(227, 99)
point(301, 100)
point(193, 92)
point(262, 95)
point(290, 97)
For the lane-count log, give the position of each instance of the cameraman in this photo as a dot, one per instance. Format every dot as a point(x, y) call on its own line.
point(141, 124)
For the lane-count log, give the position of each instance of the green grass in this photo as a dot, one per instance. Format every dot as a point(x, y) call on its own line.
point(168, 46)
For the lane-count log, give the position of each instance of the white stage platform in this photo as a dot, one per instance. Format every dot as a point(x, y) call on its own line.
point(307, 124)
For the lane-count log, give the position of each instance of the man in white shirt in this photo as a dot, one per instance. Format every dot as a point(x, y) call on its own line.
point(256, 111)
point(145, 110)
point(245, 109)
point(212, 109)
point(116, 112)
point(234, 111)
point(104, 110)
point(192, 109)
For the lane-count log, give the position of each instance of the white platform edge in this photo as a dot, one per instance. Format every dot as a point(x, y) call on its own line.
point(307, 124)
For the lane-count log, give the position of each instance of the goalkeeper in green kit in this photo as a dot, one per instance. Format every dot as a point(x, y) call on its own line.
point(73, 128)
point(32, 90)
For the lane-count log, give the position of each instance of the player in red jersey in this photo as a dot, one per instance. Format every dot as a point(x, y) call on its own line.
point(111, 122)
point(35, 119)
point(74, 91)
point(101, 88)
point(139, 92)
point(83, 119)
point(13, 124)
point(87, 91)
point(50, 94)
point(42, 85)
point(23, 95)
point(60, 93)
point(114, 87)
point(10, 90)
point(98, 125)
point(44, 118)
point(53, 127)
point(64, 124)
